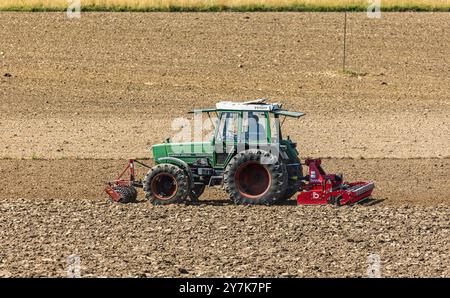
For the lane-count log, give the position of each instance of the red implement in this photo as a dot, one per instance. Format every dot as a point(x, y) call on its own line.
point(123, 189)
point(323, 188)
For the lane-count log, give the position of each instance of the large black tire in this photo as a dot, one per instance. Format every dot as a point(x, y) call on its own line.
point(293, 185)
point(166, 184)
point(291, 189)
point(127, 194)
point(249, 181)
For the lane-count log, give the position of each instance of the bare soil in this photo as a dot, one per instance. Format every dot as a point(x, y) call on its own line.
point(220, 240)
point(79, 96)
point(109, 84)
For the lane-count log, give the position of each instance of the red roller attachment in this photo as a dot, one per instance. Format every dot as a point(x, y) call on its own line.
point(122, 189)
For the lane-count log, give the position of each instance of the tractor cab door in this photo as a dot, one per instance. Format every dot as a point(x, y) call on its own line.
point(226, 137)
point(255, 132)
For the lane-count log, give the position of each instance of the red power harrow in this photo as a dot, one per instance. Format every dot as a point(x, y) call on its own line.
point(322, 188)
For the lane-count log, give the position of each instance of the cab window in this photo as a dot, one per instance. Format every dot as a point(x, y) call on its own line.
point(254, 127)
point(228, 127)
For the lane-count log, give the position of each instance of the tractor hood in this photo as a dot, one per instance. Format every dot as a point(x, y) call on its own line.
point(188, 152)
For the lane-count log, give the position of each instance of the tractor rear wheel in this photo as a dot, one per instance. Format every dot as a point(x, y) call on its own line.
point(166, 184)
point(127, 194)
point(255, 177)
point(293, 187)
point(294, 179)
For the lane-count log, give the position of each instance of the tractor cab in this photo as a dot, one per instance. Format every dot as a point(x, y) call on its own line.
point(249, 125)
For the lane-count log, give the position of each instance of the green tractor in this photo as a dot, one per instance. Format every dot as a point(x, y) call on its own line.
point(247, 155)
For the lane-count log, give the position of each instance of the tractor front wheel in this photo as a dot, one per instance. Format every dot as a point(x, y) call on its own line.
point(166, 184)
point(255, 177)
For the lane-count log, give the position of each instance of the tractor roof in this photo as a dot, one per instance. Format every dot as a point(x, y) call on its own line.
point(253, 105)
